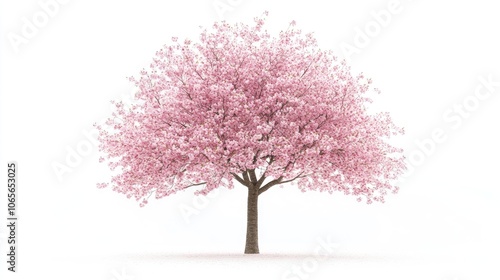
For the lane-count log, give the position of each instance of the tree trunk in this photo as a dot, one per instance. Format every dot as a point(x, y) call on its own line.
point(252, 242)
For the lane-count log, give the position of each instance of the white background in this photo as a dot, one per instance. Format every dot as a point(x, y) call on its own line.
point(428, 60)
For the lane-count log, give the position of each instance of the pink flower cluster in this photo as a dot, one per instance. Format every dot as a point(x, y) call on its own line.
point(240, 99)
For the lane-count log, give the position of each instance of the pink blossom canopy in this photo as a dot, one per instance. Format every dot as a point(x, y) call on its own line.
point(239, 100)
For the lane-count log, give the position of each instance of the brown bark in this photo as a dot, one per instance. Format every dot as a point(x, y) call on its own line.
point(252, 239)
point(249, 179)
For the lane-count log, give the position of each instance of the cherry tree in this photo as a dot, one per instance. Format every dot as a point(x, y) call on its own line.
point(242, 106)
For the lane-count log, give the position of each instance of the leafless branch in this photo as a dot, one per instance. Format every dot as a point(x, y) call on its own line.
point(239, 179)
point(197, 184)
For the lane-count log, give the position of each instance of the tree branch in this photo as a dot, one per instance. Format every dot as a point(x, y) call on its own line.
point(280, 181)
point(245, 177)
point(157, 100)
point(270, 184)
point(253, 177)
point(296, 177)
point(197, 184)
point(239, 179)
point(261, 180)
